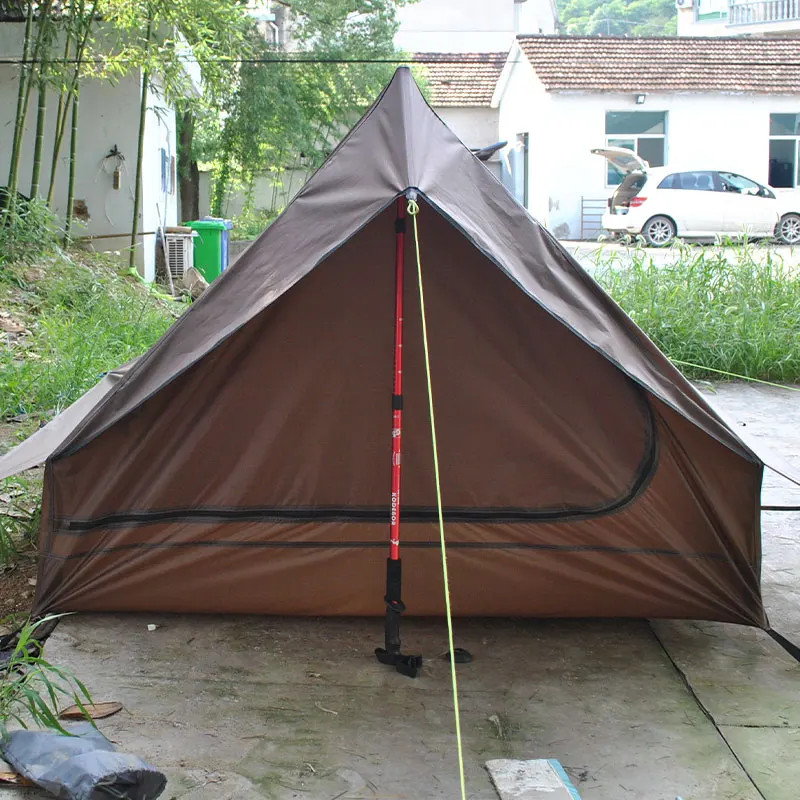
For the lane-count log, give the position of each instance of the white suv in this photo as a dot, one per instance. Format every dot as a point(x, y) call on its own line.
point(661, 203)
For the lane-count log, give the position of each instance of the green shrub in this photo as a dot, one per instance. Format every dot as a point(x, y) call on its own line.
point(735, 309)
point(86, 319)
point(20, 515)
point(251, 223)
point(28, 229)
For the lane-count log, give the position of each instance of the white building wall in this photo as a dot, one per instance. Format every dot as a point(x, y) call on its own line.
point(537, 16)
point(690, 25)
point(524, 107)
point(108, 117)
point(159, 198)
point(703, 131)
point(464, 26)
point(476, 127)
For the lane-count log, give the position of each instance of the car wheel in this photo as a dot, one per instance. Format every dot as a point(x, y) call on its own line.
point(789, 229)
point(659, 231)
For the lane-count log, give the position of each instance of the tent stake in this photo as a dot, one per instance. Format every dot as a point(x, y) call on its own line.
point(391, 655)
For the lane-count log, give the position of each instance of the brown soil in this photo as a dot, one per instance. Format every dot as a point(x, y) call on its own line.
point(7, 436)
point(16, 591)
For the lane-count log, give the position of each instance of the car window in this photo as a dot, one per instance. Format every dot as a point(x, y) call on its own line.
point(738, 184)
point(668, 182)
point(697, 181)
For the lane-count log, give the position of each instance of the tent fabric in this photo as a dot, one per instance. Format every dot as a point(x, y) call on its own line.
point(242, 464)
point(401, 143)
point(39, 446)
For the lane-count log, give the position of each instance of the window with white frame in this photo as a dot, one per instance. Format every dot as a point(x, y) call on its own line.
point(784, 150)
point(643, 132)
point(711, 10)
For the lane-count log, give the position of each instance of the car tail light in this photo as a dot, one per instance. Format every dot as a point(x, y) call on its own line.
point(637, 201)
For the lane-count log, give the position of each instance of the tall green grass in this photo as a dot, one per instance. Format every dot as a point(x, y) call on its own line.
point(734, 309)
point(84, 318)
point(27, 229)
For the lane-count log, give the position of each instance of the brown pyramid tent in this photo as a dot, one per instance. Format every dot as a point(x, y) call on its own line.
point(241, 465)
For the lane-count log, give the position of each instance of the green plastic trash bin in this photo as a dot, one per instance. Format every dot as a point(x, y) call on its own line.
point(210, 246)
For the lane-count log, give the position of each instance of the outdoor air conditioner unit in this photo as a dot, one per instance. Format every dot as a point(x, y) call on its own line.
point(180, 254)
point(684, 3)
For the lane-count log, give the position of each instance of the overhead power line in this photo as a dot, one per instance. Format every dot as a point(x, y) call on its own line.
point(194, 60)
point(474, 61)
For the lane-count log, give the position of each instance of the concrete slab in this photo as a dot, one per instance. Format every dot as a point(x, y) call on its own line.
point(740, 675)
point(285, 708)
point(771, 759)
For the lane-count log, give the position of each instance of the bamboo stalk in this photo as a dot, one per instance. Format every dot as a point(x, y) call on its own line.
point(61, 115)
point(61, 129)
point(137, 195)
point(73, 146)
point(19, 118)
point(41, 117)
point(19, 128)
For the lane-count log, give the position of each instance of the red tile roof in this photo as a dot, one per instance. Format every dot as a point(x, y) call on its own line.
point(461, 79)
point(665, 64)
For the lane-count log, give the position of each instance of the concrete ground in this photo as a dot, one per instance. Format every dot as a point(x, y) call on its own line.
point(587, 253)
point(252, 708)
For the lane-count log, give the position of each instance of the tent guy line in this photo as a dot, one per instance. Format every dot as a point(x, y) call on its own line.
point(413, 210)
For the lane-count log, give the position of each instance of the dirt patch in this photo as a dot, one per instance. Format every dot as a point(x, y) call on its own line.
point(19, 498)
point(10, 324)
point(8, 436)
point(17, 589)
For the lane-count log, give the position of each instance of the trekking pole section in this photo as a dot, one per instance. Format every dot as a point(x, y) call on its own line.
point(390, 654)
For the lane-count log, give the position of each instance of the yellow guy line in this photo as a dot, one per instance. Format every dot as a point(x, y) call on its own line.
point(413, 210)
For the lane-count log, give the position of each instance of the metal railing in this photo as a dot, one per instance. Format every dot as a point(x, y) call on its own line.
point(592, 210)
point(763, 11)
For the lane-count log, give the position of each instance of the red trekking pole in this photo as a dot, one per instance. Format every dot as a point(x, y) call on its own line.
point(406, 665)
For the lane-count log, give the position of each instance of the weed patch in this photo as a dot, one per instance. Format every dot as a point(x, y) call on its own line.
point(734, 309)
point(20, 513)
point(66, 318)
point(32, 687)
point(251, 223)
point(83, 317)
point(28, 229)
